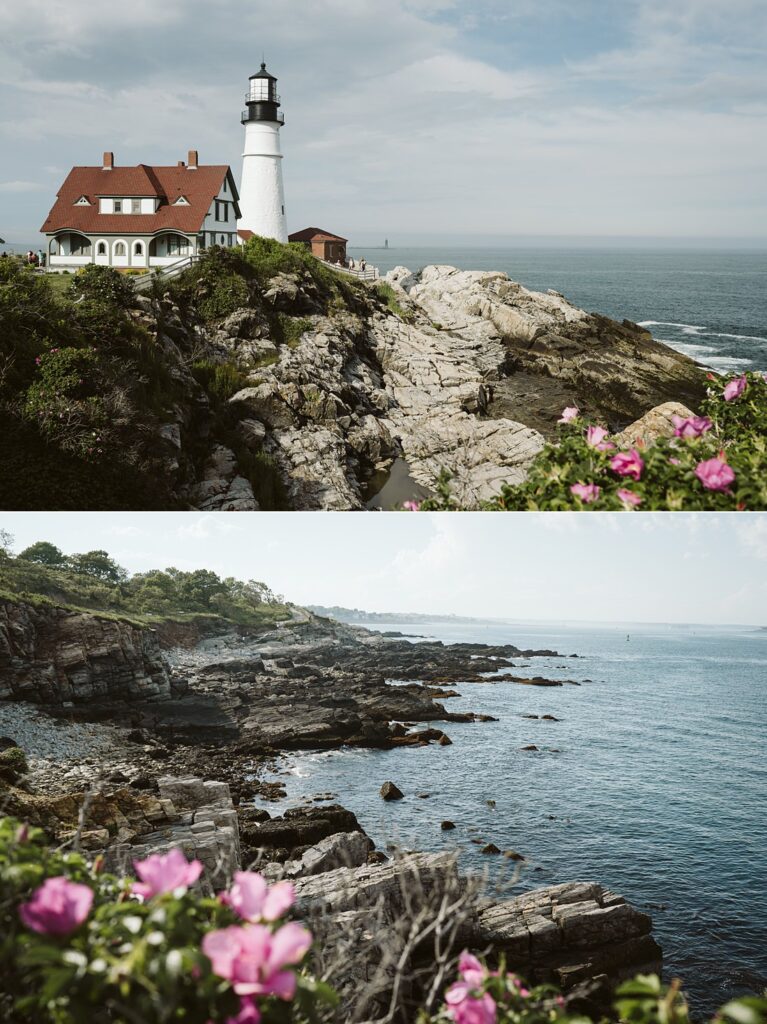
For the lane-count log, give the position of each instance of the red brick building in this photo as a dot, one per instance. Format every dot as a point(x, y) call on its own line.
point(323, 244)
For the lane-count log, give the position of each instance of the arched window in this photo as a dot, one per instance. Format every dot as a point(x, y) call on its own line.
point(101, 250)
point(223, 240)
point(138, 249)
point(120, 249)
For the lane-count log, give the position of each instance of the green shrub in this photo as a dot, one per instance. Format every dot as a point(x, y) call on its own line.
point(221, 380)
point(102, 285)
point(78, 945)
point(13, 764)
point(389, 296)
point(64, 400)
point(288, 330)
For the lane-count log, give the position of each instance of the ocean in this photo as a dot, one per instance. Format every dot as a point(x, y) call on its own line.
point(711, 305)
point(657, 788)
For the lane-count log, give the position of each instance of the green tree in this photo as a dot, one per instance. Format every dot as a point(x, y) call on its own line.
point(44, 553)
point(99, 565)
point(200, 586)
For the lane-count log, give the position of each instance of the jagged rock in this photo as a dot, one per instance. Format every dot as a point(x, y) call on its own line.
point(245, 323)
point(301, 828)
point(447, 826)
point(656, 423)
point(567, 934)
point(490, 848)
point(222, 489)
point(389, 791)
point(341, 850)
point(51, 655)
point(400, 277)
point(252, 432)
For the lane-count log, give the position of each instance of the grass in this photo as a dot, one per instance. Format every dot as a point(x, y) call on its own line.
point(389, 296)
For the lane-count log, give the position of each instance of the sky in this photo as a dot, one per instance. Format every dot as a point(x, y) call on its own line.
point(410, 118)
point(677, 567)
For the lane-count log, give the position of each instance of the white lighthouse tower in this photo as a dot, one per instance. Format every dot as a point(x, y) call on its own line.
point(262, 196)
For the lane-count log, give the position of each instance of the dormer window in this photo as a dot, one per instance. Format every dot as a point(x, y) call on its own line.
point(181, 201)
point(118, 206)
point(83, 201)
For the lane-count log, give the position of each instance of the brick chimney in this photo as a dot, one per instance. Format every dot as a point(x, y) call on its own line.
point(181, 164)
point(109, 162)
point(192, 159)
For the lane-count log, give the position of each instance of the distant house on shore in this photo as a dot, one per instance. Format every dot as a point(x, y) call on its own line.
point(322, 244)
point(141, 216)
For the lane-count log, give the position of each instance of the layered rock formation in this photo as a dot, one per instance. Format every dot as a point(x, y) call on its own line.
point(52, 655)
point(462, 371)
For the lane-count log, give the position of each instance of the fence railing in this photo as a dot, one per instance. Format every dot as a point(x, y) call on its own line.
point(368, 274)
point(172, 270)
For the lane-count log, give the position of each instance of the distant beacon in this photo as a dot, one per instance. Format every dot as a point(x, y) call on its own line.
point(262, 197)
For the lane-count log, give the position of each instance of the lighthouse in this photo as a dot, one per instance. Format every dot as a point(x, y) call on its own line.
point(262, 196)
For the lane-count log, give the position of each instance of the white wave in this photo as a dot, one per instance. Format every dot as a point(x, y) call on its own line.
point(738, 337)
point(669, 323)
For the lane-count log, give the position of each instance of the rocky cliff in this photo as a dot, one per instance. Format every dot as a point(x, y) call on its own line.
point(51, 655)
point(336, 394)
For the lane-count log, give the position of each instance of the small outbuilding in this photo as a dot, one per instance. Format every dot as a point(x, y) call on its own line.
point(322, 244)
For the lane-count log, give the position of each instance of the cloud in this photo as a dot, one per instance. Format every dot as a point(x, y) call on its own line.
point(537, 118)
point(752, 534)
point(206, 527)
point(22, 186)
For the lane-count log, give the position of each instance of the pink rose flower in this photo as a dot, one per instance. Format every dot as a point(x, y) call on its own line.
point(586, 492)
point(572, 412)
point(693, 426)
point(57, 907)
point(254, 900)
point(253, 959)
point(595, 436)
point(463, 1008)
point(249, 1012)
point(411, 506)
point(735, 388)
point(629, 499)
point(165, 872)
point(628, 464)
point(715, 474)
point(471, 970)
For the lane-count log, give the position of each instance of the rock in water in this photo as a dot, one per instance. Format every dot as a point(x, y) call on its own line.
point(447, 826)
point(391, 792)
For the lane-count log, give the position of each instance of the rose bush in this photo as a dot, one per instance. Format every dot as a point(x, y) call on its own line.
point(79, 945)
point(715, 460)
point(482, 996)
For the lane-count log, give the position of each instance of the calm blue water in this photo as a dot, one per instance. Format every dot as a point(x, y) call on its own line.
point(711, 305)
point(659, 791)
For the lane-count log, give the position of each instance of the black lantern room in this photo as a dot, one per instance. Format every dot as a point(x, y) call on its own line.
point(262, 98)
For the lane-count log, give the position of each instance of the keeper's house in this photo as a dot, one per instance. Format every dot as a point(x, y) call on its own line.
point(141, 216)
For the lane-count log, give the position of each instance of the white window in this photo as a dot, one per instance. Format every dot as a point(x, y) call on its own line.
point(135, 206)
point(138, 249)
point(101, 249)
point(181, 201)
point(118, 206)
point(83, 201)
point(120, 249)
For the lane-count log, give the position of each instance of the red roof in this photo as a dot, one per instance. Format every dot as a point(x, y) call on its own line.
point(245, 234)
point(200, 187)
point(309, 233)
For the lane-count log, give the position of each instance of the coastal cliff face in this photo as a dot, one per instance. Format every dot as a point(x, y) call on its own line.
point(50, 655)
point(239, 386)
point(469, 376)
